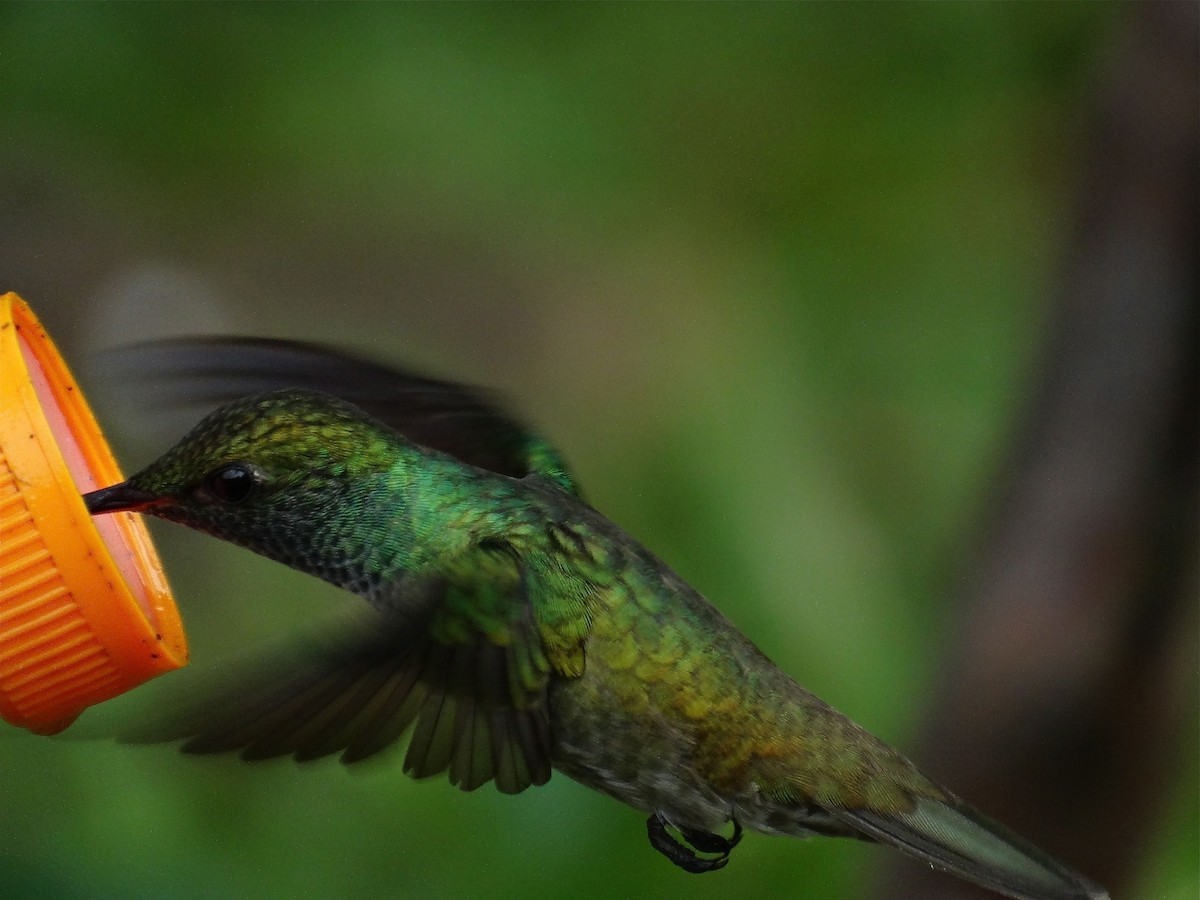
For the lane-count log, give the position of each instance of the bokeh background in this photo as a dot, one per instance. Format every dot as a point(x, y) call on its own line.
point(778, 278)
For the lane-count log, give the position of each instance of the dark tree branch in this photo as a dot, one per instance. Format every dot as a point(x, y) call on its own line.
point(1063, 707)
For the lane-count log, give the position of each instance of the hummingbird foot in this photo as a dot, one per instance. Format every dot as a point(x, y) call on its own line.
point(685, 856)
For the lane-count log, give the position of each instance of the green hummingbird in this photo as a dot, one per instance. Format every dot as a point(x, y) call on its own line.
point(513, 628)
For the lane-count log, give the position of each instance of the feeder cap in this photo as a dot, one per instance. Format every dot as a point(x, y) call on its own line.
point(85, 609)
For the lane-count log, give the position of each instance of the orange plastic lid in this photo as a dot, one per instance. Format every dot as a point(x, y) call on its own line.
point(85, 610)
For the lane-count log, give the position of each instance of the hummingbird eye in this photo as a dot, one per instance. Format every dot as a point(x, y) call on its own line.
point(232, 483)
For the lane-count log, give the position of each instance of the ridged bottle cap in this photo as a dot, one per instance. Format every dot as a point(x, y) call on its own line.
point(85, 610)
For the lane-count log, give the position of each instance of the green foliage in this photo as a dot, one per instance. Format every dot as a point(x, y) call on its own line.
point(772, 276)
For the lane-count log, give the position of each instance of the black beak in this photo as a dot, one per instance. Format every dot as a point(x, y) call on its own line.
point(119, 498)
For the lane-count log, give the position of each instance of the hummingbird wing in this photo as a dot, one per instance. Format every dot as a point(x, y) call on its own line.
point(466, 423)
point(458, 659)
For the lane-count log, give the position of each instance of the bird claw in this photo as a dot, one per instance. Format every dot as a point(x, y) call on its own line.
point(684, 856)
point(707, 842)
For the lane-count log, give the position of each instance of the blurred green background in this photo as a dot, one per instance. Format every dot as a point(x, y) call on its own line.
point(774, 276)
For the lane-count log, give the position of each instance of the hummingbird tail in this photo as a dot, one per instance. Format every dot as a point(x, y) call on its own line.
point(955, 838)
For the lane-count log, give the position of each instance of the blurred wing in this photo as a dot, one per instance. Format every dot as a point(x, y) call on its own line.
point(460, 663)
point(465, 423)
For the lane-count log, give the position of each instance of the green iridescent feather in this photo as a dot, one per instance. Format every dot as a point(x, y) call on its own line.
point(515, 628)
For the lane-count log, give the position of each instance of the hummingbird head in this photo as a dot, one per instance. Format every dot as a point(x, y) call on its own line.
point(279, 473)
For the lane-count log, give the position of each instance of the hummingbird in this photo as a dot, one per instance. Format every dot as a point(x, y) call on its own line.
point(512, 629)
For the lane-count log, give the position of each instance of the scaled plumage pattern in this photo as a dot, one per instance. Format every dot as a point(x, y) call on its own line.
point(516, 629)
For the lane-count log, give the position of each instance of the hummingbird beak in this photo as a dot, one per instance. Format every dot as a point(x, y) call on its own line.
point(119, 498)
